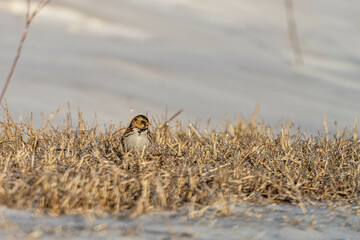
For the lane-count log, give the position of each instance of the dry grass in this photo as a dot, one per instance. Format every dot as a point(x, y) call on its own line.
point(61, 171)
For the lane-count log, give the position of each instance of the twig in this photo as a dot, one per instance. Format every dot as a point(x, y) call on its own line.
point(327, 135)
point(172, 118)
point(29, 19)
point(120, 129)
point(255, 114)
point(355, 136)
point(292, 31)
point(197, 133)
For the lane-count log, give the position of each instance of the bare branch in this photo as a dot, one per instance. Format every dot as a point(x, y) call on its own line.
point(29, 18)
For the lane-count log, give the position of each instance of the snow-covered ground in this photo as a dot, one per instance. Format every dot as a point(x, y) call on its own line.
point(274, 222)
point(212, 58)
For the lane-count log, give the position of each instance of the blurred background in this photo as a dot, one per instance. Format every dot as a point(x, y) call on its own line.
point(298, 59)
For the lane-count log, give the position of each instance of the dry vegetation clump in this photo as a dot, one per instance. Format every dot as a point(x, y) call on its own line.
point(62, 171)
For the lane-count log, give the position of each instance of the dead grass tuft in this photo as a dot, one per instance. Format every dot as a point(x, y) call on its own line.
point(58, 170)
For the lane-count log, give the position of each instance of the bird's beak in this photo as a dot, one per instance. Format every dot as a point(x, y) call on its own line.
point(147, 124)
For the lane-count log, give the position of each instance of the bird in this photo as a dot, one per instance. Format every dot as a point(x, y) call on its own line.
point(137, 136)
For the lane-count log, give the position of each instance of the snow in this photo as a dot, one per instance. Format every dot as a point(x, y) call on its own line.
point(212, 59)
point(246, 222)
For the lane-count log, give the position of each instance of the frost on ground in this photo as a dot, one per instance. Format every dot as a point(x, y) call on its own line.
point(246, 222)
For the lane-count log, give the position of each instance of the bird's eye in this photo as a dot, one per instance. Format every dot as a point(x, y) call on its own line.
point(143, 122)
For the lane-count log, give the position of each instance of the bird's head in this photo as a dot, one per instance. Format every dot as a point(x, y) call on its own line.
point(141, 122)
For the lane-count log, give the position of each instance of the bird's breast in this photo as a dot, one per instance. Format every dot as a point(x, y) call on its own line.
point(137, 141)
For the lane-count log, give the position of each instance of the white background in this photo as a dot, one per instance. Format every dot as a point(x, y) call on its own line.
point(210, 57)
